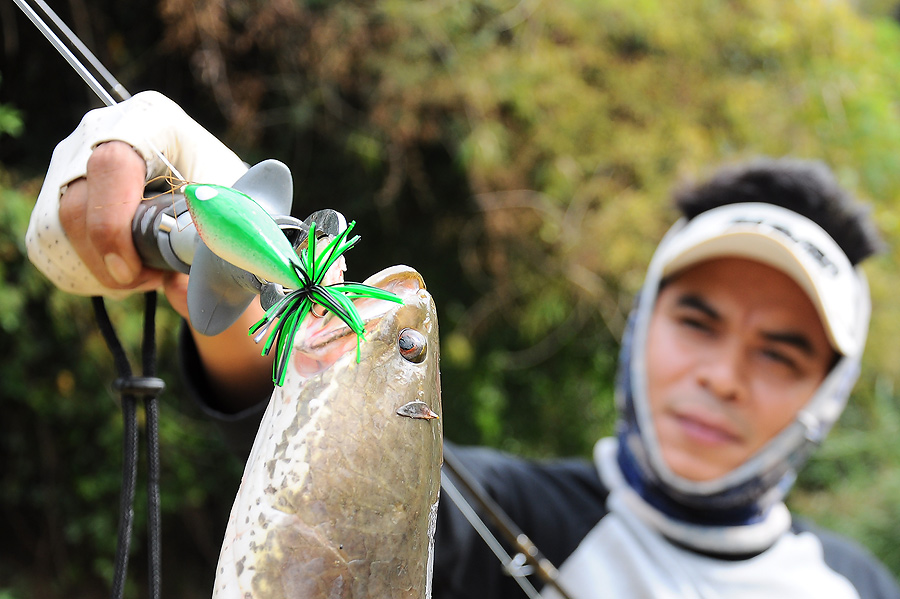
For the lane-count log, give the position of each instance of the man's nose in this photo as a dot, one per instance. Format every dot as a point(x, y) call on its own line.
point(721, 372)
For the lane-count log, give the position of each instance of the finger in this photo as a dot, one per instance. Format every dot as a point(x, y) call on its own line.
point(175, 286)
point(115, 184)
point(73, 209)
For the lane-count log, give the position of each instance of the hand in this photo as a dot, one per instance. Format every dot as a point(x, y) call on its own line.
point(81, 238)
point(96, 211)
point(80, 230)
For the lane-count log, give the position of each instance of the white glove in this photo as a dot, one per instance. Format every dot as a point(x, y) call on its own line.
point(149, 122)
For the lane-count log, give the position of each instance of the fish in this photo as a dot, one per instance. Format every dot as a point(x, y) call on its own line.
point(339, 494)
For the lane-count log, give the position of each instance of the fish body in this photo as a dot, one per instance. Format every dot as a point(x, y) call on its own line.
point(240, 231)
point(339, 495)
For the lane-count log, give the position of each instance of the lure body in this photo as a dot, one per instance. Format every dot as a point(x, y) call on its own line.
point(240, 231)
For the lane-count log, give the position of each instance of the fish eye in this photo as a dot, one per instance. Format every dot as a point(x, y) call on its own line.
point(413, 345)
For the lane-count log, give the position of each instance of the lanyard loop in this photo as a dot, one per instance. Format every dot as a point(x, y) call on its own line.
point(131, 388)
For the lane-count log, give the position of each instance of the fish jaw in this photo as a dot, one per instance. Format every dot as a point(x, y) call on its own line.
point(339, 494)
point(320, 342)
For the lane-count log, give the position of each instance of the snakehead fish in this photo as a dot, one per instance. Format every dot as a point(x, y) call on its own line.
point(339, 494)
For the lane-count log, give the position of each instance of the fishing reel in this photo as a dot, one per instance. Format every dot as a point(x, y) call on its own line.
point(219, 292)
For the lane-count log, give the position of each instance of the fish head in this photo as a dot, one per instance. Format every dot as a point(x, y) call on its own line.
point(400, 337)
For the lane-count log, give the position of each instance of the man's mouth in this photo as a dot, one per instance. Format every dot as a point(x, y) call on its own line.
point(706, 430)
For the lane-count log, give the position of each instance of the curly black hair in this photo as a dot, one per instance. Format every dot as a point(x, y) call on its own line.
point(806, 187)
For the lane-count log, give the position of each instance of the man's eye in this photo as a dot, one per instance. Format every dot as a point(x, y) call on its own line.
point(695, 323)
point(780, 358)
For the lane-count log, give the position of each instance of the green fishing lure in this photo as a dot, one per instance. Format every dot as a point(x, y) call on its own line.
point(241, 232)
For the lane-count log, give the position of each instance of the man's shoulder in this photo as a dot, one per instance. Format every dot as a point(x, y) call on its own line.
point(852, 561)
point(509, 478)
point(555, 502)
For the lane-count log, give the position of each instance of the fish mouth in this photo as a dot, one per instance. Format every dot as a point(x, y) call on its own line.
point(321, 340)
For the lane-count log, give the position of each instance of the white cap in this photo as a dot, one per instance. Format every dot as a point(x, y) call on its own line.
point(786, 241)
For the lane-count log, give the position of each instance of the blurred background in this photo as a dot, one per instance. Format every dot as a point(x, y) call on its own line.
point(519, 154)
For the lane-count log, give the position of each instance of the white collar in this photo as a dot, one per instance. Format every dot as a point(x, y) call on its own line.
point(728, 540)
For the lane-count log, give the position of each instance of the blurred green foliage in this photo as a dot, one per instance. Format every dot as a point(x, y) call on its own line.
point(519, 154)
point(10, 119)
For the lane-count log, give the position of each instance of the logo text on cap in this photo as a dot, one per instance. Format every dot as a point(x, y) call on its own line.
point(813, 250)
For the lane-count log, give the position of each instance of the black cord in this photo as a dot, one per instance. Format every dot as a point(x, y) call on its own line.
point(130, 388)
point(151, 410)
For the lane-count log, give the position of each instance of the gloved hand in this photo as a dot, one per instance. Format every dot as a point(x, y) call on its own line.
point(80, 230)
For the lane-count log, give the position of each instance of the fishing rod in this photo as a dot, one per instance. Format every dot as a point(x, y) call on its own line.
point(528, 558)
point(510, 564)
point(57, 42)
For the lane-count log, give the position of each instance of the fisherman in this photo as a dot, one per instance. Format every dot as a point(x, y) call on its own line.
point(740, 354)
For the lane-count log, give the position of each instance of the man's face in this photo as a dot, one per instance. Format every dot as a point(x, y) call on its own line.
point(735, 348)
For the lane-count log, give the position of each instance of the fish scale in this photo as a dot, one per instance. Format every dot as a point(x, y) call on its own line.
point(339, 495)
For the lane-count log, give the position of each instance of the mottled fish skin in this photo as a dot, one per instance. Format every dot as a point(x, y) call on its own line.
point(339, 495)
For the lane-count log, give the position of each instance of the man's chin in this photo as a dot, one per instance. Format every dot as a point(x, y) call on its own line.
point(696, 467)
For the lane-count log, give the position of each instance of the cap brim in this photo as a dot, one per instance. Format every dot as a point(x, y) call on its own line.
point(787, 242)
